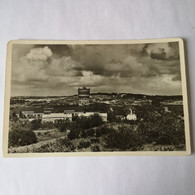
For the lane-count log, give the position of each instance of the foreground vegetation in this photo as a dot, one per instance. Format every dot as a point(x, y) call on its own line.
point(157, 129)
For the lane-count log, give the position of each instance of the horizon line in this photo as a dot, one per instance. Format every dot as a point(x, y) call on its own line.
point(93, 94)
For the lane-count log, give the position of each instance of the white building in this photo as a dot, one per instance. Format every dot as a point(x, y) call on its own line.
point(55, 117)
point(131, 116)
point(32, 114)
point(104, 116)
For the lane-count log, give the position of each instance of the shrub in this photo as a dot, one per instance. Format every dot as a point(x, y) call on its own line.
point(95, 148)
point(123, 139)
point(47, 125)
point(74, 134)
point(64, 142)
point(36, 124)
point(60, 145)
point(84, 144)
point(21, 138)
point(164, 140)
point(102, 131)
point(90, 132)
point(95, 140)
point(83, 134)
point(95, 120)
point(16, 126)
point(63, 127)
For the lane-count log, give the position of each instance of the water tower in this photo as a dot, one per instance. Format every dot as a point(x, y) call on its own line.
point(83, 94)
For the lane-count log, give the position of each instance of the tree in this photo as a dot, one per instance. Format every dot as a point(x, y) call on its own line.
point(166, 129)
point(13, 116)
point(123, 139)
point(21, 138)
point(100, 131)
point(21, 115)
point(111, 117)
point(74, 134)
point(63, 127)
point(95, 120)
point(36, 124)
point(90, 132)
point(89, 122)
point(84, 144)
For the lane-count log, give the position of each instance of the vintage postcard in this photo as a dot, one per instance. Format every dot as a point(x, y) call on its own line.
point(89, 98)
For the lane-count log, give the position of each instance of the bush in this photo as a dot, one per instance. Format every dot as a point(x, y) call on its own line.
point(63, 127)
point(16, 126)
point(60, 145)
point(64, 142)
point(95, 120)
point(102, 131)
point(74, 134)
point(83, 134)
point(95, 148)
point(166, 129)
point(47, 125)
point(90, 132)
point(21, 138)
point(84, 144)
point(95, 140)
point(36, 124)
point(123, 139)
point(164, 140)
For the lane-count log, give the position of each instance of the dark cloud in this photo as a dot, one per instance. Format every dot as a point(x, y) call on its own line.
point(171, 52)
point(161, 55)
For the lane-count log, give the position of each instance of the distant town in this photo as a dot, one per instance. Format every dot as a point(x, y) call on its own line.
point(84, 98)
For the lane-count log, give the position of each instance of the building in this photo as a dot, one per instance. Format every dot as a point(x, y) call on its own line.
point(83, 94)
point(48, 115)
point(56, 117)
point(67, 115)
point(32, 114)
point(131, 116)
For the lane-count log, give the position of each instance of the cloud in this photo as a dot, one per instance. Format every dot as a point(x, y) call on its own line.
point(128, 60)
point(59, 69)
point(89, 79)
point(41, 54)
point(177, 77)
point(64, 66)
point(163, 51)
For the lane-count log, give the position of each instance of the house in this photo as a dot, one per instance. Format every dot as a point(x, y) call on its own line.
point(131, 116)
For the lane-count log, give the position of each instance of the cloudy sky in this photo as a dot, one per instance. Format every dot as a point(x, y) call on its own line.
point(41, 70)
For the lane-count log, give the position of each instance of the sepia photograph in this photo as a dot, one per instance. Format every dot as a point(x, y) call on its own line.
point(81, 98)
